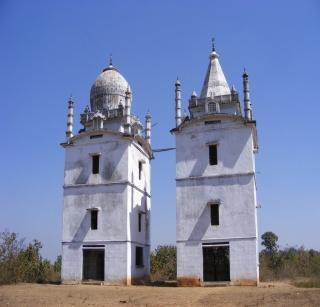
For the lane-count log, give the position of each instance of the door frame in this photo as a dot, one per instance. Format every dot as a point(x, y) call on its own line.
point(218, 244)
point(93, 247)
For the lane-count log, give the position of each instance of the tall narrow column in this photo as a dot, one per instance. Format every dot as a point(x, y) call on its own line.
point(148, 128)
point(69, 133)
point(246, 95)
point(127, 110)
point(178, 103)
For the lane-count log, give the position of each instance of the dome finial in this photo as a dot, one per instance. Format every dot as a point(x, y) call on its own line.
point(110, 59)
point(212, 42)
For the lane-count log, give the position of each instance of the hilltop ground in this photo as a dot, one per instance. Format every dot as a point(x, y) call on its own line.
point(267, 294)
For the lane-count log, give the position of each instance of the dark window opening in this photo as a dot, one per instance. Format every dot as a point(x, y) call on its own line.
point(94, 219)
point(95, 164)
point(213, 155)
point(212, 122)
point(139, 256)
point(214, 212)
point(139, 221)
point(96, 136)
point(140, 169)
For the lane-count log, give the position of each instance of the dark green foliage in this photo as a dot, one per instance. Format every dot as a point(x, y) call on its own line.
point(164, 263)
point(57, 264)
point(287, 263)
point(20, 263)
point(308, 284)
point(269, 241)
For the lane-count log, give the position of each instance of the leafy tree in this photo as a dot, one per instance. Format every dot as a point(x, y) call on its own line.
point(269, 241)
point(164, 263)
point(10, 249)
point(57, 264)
point(35, 269)
point(20, 263)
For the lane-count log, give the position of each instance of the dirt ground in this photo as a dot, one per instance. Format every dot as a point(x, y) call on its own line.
point(267, 294)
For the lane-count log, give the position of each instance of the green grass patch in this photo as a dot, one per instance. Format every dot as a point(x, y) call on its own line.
point(307, 284)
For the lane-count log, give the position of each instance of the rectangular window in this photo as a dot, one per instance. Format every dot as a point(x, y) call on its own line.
point(94, 219)
point(212, 107)
point(139, 256)
point(96, 136)
point(213, 156)
point(139, 221)
point(95, 164)
point(212, 122)
point(214, 211)
point(140, 170)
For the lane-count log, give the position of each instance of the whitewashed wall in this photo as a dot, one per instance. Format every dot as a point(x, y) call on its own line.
point(231, 183)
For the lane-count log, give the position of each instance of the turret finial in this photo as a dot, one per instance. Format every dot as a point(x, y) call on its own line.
point(212, 42)
point(246, 96)
point(110, 59)
point(69, 133)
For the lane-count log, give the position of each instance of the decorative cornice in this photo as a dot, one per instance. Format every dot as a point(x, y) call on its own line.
point(124, 182)
point(218, 239)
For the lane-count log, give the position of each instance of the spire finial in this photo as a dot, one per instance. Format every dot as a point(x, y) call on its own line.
point(110, 59)
point(245, 74)
point(212, 42)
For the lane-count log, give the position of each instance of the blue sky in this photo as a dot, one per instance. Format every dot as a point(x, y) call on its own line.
point(50, 49)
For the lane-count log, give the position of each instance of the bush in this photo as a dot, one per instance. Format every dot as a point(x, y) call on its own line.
point(20, 263)
point(287, 263)
point(164, 263)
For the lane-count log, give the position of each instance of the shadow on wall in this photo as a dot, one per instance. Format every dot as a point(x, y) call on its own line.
point(230, 156)
point(143, 237)
point(203, 221)
point(111, 163)
point(81, 169)
point(82, 229)
point(84, 172)
point(201, 227)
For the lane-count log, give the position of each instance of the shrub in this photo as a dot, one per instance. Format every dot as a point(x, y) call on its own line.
point(164, 263)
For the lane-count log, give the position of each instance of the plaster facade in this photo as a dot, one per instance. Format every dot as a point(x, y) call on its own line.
point(229, 184)
point(119, 191)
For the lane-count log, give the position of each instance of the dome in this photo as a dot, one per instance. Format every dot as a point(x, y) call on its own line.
point(109, 90)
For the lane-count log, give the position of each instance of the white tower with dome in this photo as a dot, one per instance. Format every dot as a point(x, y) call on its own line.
point(107, 201)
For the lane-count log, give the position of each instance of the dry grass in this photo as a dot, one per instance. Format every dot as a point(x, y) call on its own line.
point(267, 294)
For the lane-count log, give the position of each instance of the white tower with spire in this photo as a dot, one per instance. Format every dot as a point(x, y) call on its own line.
point(107, 202)
point(215, 185)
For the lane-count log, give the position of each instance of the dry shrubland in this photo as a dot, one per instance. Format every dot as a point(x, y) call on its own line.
point(21, 262)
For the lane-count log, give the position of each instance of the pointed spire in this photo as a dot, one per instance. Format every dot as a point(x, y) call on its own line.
point(215, 83)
